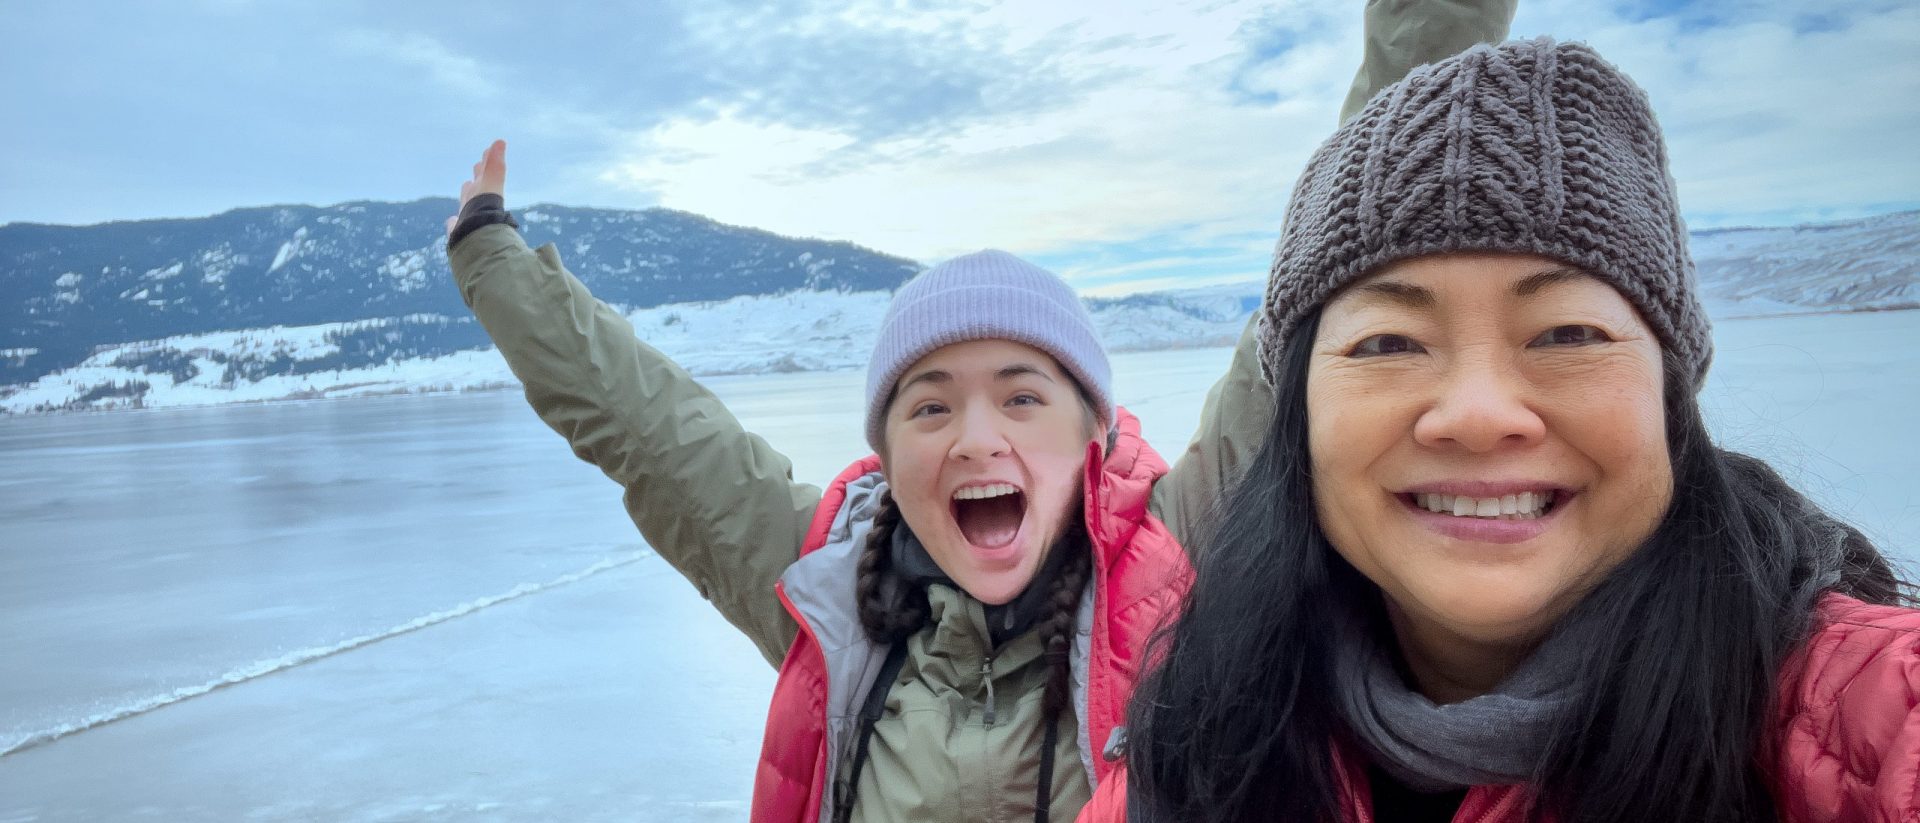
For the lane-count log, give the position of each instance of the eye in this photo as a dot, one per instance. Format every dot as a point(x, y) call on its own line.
point(926, 410)
point(1572, 335)
point(1381, 345)
point(1024, 399)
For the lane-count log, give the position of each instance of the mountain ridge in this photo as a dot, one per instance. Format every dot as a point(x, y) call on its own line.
point(73, 289)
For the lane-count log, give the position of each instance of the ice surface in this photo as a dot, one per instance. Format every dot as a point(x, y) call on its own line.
point(429, 610)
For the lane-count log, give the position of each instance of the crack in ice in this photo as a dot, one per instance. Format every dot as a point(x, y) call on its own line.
point(303, 657)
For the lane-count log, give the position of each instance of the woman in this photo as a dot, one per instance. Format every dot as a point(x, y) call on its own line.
point(960, 630)
point(1489, 565)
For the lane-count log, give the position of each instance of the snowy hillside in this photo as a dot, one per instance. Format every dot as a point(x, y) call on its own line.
point(812, 324)
point(798, 331)
point(67, 291)
point(1852, 265)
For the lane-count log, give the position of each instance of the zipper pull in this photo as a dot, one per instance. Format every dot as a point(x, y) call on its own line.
point(986, 674)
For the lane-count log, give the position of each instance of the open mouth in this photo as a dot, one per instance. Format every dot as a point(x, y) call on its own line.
point(989, 516)
point(1531, 505)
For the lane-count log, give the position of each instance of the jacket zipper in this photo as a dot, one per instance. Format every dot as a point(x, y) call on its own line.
point(1491, 810)
point(986, 674)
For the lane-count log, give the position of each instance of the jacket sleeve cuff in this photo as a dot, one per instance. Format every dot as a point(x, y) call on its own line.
point(481, 210)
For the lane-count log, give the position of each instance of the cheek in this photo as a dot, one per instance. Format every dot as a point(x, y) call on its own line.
point(1053, 456)
point(1351, 425)
point(912, 468)
point(1617, 421)
point(1358, 406)
point(1055, 462)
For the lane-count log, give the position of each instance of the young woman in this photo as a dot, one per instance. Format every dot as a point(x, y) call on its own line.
point(958, 619)
point(1490, 565)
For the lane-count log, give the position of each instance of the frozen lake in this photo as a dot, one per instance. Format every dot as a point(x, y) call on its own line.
point(424, 608)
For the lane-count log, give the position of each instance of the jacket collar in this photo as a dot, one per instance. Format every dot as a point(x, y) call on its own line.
point(1119, 485)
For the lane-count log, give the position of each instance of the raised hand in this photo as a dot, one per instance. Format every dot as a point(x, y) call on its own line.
point(489, 177)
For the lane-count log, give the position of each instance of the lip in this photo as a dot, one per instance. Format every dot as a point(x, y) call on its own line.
point(982, 482)
point(1482, 530)
point(1484, 488)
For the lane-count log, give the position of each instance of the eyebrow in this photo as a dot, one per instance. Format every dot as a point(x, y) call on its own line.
point(1421, 297)
point(933, 376)
point(1006, 373)
point(1533, 283)
point(1405, 294)
point(1019, 369)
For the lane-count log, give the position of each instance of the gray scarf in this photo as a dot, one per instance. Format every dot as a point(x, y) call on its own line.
point(1496, 738)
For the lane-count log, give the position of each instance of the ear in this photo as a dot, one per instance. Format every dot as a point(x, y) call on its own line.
point(1098, 427)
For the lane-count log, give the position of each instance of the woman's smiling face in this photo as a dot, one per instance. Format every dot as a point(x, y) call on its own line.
point(985, 446)
point(1488, 439)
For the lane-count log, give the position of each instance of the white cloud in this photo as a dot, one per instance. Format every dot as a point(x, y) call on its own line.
point(1155, 137)
point(1766, 119)
point(445, 67)
point(1156, 143)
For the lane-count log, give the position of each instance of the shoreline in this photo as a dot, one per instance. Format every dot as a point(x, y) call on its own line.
point(488, 387)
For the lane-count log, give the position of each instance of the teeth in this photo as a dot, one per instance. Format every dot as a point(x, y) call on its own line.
point(984, 492)
point(1522, 506)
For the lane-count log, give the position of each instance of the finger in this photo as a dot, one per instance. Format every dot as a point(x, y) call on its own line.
point(495, 163)
point(493, 172)
point(450, 223)
point(466, 192)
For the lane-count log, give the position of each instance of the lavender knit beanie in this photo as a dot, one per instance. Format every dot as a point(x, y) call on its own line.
point(987, 295)
point(1531, 146)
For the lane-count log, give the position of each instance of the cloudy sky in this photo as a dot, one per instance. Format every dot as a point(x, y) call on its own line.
point(1129, 145)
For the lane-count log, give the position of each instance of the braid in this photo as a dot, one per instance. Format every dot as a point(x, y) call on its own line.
point(890, 610)
point(1056, 630)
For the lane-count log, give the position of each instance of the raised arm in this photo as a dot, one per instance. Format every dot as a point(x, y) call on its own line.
point(1400, 35)
point(1404, 34)
point(713, 499)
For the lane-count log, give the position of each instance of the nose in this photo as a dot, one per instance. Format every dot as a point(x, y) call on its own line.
point(979, 438)
point(1482, 406)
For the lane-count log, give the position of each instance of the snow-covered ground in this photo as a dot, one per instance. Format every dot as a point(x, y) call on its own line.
point(424, 608)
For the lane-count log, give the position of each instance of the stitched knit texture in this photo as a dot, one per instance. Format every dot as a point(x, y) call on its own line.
point(1533, 147)
point(987, 295)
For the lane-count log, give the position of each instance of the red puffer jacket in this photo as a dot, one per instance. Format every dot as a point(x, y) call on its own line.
point(1849, 726)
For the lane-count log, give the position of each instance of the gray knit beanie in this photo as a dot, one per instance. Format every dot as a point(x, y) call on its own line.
point(1531, 146)
point(987, 295)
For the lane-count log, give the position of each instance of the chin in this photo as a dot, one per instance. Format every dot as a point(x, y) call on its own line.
point(995, 593)
point(1496, 617)
point(998, 586)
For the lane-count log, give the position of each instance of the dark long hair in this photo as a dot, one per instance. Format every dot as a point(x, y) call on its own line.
point(1669, 721)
